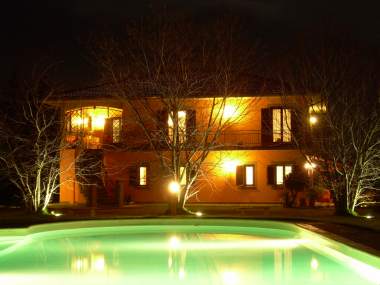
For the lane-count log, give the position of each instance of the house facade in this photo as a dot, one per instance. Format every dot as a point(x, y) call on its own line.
point(247, 162)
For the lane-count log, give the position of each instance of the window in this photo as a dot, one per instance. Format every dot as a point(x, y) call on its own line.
point(90, 119)
point(277, 173)
point(139, 176)
point(180, 118)
point(281, 120)
point(182, 174)
point(94, 125)
point(116, 130)
point(142, 176)
point(245, 175)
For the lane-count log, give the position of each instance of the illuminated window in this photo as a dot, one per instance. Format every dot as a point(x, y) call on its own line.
point(281, 125)
point(142, 175)
point(95, 125)
point(180, 127)
point(182, 171)
point(318, 108)
point(249, 175)
point(89, 119)
point(245, 175)
point(116, 129)
point(281, 172)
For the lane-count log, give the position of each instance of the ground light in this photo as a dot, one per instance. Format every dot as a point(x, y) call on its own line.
point(56, 214)
point(174, 187)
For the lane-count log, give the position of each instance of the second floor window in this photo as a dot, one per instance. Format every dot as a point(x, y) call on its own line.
point(278, 125)
point(177, 123)
point(281, 120)
point(180, 125)
point(94, 125)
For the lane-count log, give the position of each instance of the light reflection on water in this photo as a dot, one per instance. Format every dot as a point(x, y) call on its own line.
point(181, 257)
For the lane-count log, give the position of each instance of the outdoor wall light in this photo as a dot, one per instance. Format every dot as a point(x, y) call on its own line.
point(313, 120)
point(229, 166)
point(174, 187)
point(229, 112)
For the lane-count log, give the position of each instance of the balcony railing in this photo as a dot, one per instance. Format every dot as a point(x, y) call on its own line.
point(137, 140)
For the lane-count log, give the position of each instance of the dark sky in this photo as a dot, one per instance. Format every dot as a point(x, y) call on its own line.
point(54, 31)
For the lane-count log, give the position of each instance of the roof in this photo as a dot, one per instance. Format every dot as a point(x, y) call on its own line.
point(258, 86)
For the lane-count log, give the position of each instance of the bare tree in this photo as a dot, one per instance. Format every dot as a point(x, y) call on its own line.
point(31, 142)
point(177, 83)
point(340, 87)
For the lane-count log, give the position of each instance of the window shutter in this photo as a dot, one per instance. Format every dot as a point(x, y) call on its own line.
point(271, 174)
point(240, 175)
point(147, 175)
point(296, 126)
point(192, 174)
point(190, 126)
point(162, 120)
point(266, 126)
point(133, 173)
point(107, 133)
point(162, 128)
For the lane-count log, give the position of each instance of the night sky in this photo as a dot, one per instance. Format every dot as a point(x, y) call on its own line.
point(57, 32)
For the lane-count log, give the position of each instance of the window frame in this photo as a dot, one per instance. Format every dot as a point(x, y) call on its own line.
point(273, 180)
point(244, 176)
point(134, 176)
point(182, 125)
point(283, 119)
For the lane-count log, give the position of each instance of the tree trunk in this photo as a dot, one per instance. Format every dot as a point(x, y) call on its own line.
point(340, 202)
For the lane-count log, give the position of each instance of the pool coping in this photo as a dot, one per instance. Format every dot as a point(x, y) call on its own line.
point(304, 229)
point(339, 238)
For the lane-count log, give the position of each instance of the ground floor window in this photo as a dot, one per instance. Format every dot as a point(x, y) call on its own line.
point(277, 173)
point(142, 176)
point(138, 175)
point(245, 175)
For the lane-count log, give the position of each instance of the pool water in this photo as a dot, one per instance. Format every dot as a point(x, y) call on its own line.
point(199, 251)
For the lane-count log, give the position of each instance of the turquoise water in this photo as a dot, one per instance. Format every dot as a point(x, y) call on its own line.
point(179, 252)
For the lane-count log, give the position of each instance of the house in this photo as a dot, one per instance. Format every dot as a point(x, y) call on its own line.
point(247, 158)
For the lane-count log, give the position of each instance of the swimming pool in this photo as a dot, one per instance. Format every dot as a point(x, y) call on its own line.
point(179, 251)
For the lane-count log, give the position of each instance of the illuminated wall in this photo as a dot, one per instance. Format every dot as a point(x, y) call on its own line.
point(242, 138)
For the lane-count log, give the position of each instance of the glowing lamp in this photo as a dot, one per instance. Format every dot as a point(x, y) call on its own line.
point(199, 214)
point(313, 120)
point(310, 165)
point(98, 122)
point(229, 112)
point(56, 214)
point(174, 187)
point(229, 166)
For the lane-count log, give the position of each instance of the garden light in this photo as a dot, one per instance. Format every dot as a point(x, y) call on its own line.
point(174, 187)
